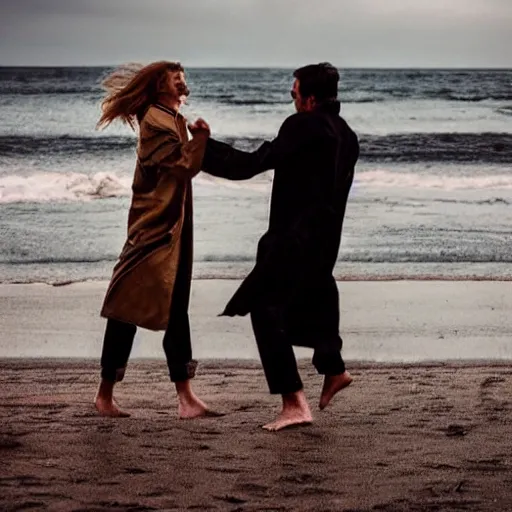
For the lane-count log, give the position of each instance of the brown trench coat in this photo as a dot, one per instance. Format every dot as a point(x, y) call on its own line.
point(159, 222)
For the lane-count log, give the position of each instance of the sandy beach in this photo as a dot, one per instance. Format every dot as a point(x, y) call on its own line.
point(401, 438)
point(426, 425)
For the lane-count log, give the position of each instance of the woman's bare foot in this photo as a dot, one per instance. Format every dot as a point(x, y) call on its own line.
point(109, 408)
point(333, 384)
point(295, 412)
point(105, 403)
point(189, 405)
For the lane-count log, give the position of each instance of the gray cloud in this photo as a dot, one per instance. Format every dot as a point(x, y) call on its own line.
point(258, 32)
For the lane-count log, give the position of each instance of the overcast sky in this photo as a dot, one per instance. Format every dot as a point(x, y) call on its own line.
point(349, 33)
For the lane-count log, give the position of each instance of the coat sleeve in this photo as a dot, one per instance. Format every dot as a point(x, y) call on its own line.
point(224, 161)
point(161, 146)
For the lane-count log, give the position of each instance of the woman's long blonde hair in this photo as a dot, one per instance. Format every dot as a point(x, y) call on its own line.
point(131, 89)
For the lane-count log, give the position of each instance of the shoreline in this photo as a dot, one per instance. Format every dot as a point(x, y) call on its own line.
point(362, 278)
point(61, 274)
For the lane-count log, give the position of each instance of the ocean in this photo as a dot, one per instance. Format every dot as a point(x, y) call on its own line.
point(432, 197)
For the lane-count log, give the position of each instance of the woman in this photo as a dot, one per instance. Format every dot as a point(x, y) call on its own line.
point(150, 286)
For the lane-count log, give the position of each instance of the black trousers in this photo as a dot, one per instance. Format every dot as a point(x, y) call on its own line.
point(311, 319)
point(119, 336)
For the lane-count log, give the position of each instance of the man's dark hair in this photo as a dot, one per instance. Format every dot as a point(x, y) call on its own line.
point(318, 80)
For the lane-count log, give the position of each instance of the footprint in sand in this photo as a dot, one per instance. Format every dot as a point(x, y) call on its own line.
point(455, 430)
point(300, 478)
point(252, 489)
point(7, 443)
point(135, 471)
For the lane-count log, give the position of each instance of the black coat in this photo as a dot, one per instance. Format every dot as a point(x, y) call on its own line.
point(314, 156)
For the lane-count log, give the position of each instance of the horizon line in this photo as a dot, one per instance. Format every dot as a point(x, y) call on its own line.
point(468, 68)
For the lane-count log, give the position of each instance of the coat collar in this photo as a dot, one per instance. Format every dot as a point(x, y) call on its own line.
point(329, 106)
point(169, 111)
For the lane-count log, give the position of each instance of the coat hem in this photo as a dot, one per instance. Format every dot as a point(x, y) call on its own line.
point(142, 325)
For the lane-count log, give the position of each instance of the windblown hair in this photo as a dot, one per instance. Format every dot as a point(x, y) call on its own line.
point(131, 89)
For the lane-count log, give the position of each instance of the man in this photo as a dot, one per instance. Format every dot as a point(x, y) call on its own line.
point(291, 293)
point(150, 286)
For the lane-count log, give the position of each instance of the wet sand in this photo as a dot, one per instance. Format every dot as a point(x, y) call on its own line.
point(382, 321)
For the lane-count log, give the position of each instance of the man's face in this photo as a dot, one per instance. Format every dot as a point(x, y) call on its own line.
point(301, 104)
point(297, 98)
point(177, 85)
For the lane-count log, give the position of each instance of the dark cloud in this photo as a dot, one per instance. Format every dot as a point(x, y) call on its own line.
point(33, 9)
point(258, 32)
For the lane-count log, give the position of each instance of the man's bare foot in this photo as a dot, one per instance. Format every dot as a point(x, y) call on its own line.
point(295, 412)
point(333, 384)
point(108, 407)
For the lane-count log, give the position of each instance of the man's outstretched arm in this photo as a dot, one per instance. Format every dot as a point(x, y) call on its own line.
point(224, 161)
